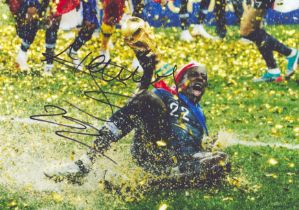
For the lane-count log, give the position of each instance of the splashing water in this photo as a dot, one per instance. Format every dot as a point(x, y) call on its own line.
point(30, 149)
point(27, 150)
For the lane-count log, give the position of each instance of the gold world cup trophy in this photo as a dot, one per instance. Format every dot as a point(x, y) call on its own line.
point(139, 36)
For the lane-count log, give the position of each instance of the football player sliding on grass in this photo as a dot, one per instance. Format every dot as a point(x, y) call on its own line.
point(169, 123)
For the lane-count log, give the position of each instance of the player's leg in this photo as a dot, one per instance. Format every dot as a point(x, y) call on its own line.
point(219, 12)
point(15, 8)
point(57, 9)
point(149, 118)
point(90, 23)
point(120, 124)
point(44, 4)
point(27, 27)
point(238, 8)
point(106, 33)
point(51, 38)
point(199, 29)
point(184, 15)
point(133, 115)
point(83, 36)
point(250, 29)
point(113, 12)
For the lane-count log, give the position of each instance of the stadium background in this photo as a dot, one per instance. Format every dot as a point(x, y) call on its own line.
point(168, 16)
point(158, 17)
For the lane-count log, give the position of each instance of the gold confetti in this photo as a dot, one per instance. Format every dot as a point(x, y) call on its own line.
point(56, 197)
point(161, 143)
point(271, 175)
point(291, 165)
point(272, 161)
point(163, 206)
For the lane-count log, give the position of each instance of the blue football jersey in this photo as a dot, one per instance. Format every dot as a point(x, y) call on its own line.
point(186, 130)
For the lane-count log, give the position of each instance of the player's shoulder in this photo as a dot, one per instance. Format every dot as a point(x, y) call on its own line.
point(162, 93)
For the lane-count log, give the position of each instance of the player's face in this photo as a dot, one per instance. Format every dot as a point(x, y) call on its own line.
point(196, 83)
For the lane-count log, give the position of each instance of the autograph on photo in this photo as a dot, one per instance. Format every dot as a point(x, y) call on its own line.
point(97, 68)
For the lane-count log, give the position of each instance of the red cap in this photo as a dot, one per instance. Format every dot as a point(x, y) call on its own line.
point(179, 75)
point(177, 78)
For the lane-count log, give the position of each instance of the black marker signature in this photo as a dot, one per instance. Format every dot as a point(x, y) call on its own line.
point(99, 65)
point(80, 125)
point(97, 69)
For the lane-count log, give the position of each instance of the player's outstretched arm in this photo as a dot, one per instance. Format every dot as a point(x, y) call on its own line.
point(138, 35)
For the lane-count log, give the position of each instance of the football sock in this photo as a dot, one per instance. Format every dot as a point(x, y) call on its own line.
point(268, 56)
point(25, 46)
point(49, 53)
point(184, 22)
point(51, 34)
point(84, 35)
point(274, 71)
point(184, 15)
point(204, 5)
point(238, 8)
point(220, 17)
point(51, 38)
point(29, 31)
point(201, 16)
point(19, 29)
